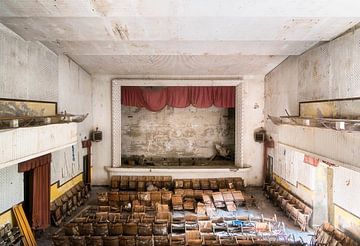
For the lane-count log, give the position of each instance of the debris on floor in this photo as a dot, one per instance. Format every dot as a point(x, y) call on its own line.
point(295, 209)
point(9, 236)
point(183, 216)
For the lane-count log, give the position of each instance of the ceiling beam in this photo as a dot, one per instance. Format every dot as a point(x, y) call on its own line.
point(179, 29)
point(179, 8)
point(179, 47)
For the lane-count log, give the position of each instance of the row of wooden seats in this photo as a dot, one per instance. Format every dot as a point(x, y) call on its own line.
point(111, 240)
point(195, 238)
point(140, 183)
point(294, 208)
point(138, 222)
point(118, 199)
point(191, 239)
point(68, 202)
point(117, 229)
point(209, 184)
point(327, 234)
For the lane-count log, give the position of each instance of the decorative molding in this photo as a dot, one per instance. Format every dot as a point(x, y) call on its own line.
point(177, 82)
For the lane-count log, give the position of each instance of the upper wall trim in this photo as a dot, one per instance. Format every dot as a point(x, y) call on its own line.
point(171, 82)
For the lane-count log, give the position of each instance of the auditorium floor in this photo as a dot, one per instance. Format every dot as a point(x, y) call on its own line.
point(263, 206)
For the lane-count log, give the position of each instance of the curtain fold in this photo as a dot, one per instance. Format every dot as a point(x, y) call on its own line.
point(155, 100)
point(202, 96)
point(178, 97)
point(132, 96)
point(224, 96)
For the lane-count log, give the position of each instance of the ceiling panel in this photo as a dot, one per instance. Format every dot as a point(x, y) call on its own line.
point(178, 29)
point(176, 8)
point(179, 37)
point(211, 65)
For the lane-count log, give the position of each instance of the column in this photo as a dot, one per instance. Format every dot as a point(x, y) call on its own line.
point(116, 123)
point(239, 123)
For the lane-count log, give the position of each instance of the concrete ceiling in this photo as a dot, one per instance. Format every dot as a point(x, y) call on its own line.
point(179, 37)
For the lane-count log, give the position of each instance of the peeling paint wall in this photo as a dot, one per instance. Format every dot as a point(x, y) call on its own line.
point(75, 97)
point(101, 87)
point(176, 132)
point(30, 71)
point(253, 119)
point(330, 71)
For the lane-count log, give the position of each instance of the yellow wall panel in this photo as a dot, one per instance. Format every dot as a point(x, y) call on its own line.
point(56, 191)
point(346, 221)
point(7, 217)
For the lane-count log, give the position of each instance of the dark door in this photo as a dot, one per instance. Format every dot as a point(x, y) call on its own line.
point(28, 184)
point(87, 170)
point(270, 167)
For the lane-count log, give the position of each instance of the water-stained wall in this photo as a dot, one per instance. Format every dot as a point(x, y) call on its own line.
point(176, 132)
point(329, 71)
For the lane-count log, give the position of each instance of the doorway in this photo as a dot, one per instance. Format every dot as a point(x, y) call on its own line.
point(87, 163)
point(87, 170)
point(37, 191)
point(270, 169)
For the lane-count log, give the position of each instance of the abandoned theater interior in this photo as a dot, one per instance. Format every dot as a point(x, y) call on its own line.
point(178, 122)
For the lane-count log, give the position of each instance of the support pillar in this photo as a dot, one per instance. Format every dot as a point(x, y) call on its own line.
point(239, 126)
point(116, 123)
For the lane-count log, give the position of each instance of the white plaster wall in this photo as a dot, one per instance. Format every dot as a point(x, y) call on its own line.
point(11, 187)
point(75, 97)
point(28, 70)
point(101, 103)
point(330, 71)
point(253, 119)
point(346, 185)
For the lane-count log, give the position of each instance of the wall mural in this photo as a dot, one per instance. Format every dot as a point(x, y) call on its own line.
point(18, 108)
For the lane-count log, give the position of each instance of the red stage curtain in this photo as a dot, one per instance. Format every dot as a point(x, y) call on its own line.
point(178, 97)
point(39, 173)
point(155, 100)
point(202, 96)
point(132, 96)
point(224, 96)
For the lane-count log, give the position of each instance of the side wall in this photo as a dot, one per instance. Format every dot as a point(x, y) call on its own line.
point(30, 71)
point(330, 71)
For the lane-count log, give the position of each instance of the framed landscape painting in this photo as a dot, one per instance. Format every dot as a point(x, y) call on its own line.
point(19, 108)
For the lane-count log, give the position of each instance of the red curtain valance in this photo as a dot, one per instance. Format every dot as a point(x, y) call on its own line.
point(178, 97)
